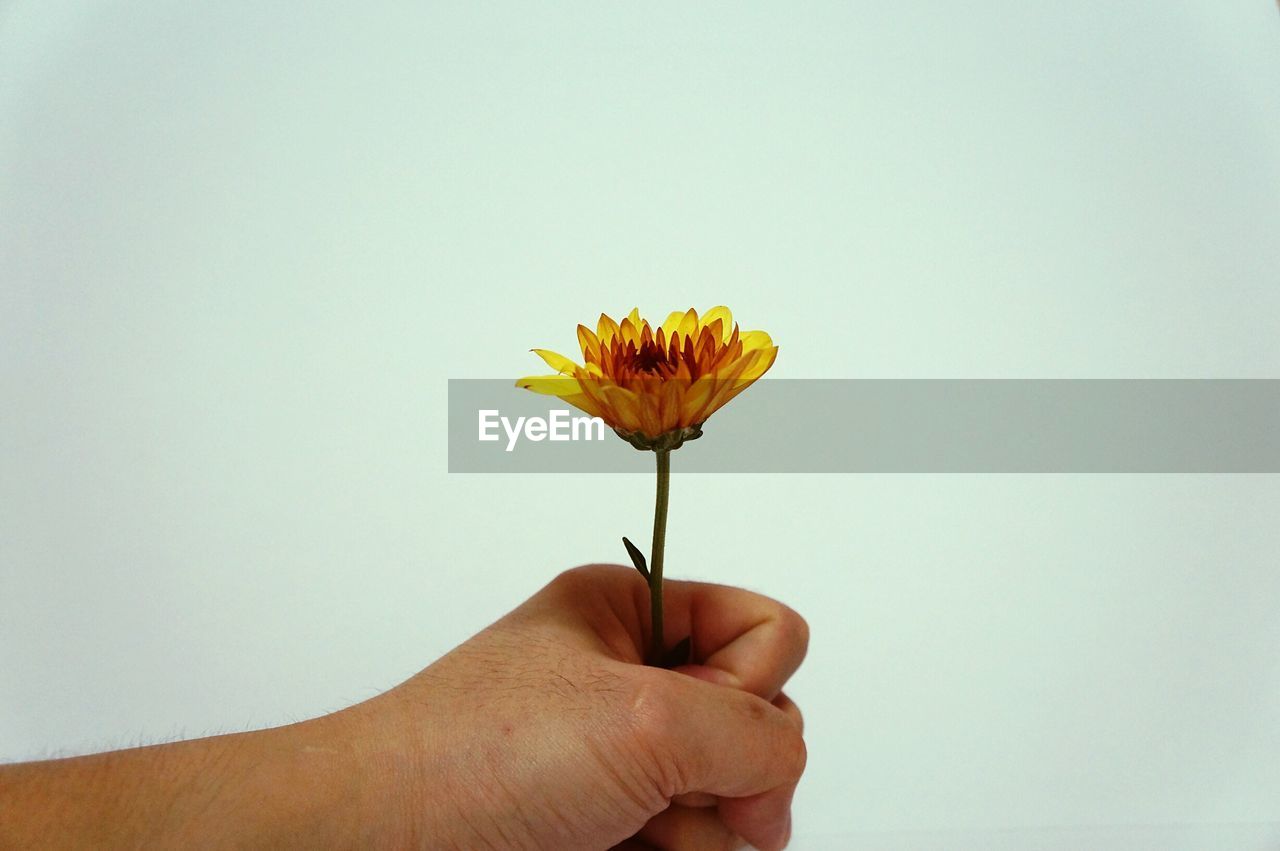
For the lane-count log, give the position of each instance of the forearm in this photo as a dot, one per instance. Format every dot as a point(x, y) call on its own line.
point(318, 783)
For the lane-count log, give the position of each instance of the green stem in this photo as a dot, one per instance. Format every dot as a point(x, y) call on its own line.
point(657, 647)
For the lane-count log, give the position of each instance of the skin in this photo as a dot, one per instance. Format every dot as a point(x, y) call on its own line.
point(542, 731)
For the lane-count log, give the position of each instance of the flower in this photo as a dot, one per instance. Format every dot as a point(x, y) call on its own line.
point(656, 388)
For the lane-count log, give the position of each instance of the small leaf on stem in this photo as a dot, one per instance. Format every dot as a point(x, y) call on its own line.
point(637, 557)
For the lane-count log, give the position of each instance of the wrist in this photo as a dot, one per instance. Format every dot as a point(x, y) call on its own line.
point(419, 786)
point(352, 780)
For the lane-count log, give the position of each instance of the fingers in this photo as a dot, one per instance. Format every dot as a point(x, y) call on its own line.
point(717, 740)
point(717, 734)
point(764, 818)
point(756, 641)
point(704, 799)
point(683, 829)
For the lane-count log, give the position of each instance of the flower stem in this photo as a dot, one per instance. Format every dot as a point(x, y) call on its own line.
point(657, 647)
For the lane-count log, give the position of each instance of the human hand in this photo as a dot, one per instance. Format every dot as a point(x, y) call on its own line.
point(546, 731)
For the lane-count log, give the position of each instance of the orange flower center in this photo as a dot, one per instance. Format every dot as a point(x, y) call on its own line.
point(650, 359)
point(657, 357)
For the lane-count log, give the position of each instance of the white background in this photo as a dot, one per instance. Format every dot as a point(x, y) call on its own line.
point(242, 247)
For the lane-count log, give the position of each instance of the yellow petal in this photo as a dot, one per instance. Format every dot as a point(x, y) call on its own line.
point(752, 340)
point(727, 384)
point(634, 316)
point(583, 403)
point(722, 313)
point(606, 329)
point(558, 362)
point(757, 364)
point(551, 385)
point(672, 323)
point(688, 323)
point(695, 400)
point(590, 344)
point(629, 332)
point(764, 359)
point(592, 390)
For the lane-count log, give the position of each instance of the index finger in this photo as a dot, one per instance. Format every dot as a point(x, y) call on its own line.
point(756, 640)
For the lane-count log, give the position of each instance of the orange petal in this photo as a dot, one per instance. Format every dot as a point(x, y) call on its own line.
point(717, 331)
point(670, 405)
point(629, 332)
point(624, 407)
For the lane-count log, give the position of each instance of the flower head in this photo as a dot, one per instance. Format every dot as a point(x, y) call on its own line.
point(656, 388)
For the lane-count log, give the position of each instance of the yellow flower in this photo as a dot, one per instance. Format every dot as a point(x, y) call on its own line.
point(657, 387)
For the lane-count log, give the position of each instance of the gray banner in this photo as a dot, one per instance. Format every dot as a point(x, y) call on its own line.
point(900, 426)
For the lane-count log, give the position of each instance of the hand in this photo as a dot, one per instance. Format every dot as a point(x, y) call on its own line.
point(542, 731)
point(546, 731)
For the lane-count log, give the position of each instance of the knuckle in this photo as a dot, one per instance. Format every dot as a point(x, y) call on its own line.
point(652, 714)
point(583, 576)
point(575, 576)
point(649, 707)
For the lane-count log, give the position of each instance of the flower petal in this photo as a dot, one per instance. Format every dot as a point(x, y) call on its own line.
point(669, 405)
point(758, 363)
point(717, 332)
point(590, 344)
point(752, 340)
point(624, 408)
point(551, 385)
point(671, 323)
point(651, 379)
point(583, 402)
point(629, 332)
point(606, 329)
point(688, 323)
point(558, 362)
point(722, 313)
point(764, 360)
